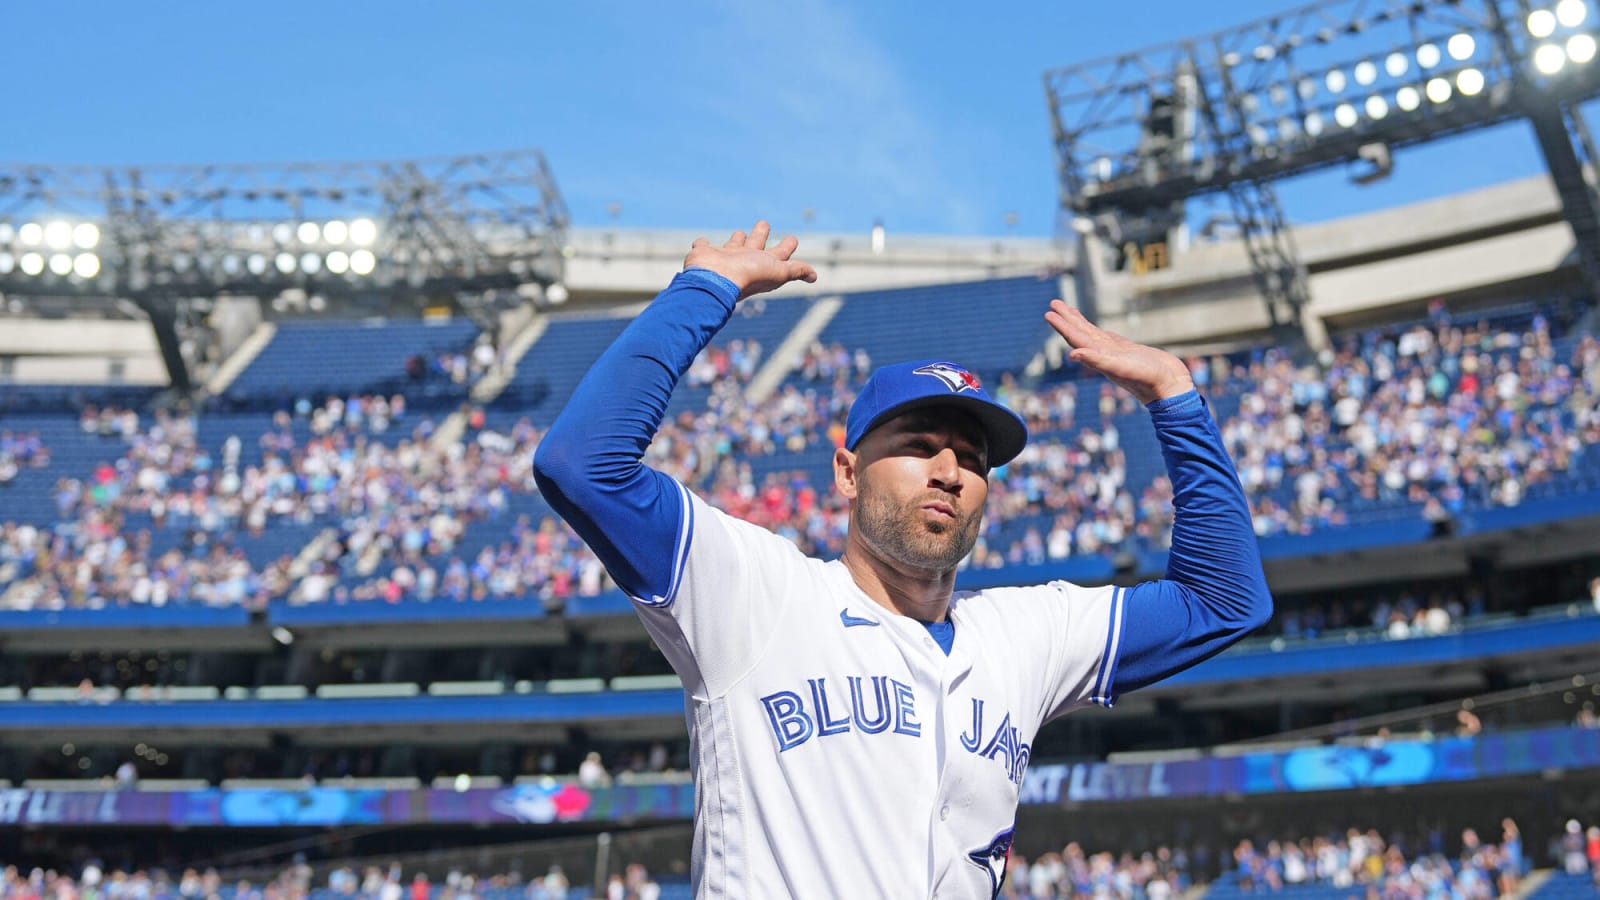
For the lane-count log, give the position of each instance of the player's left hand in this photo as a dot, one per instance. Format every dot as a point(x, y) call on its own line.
point(747, 261)
point(1148, 373)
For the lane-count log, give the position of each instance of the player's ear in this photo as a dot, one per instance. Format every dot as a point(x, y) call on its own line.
point(844, 472)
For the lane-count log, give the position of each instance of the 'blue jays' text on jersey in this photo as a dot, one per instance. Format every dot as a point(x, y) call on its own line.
point(852, 726)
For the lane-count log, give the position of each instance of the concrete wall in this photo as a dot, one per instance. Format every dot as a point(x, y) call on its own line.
point(80, 351)
point(1358, 266)
point(76, 337)
point(637, 263)
point(142, 370)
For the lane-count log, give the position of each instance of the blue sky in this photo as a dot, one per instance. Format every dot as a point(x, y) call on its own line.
point(929, 116)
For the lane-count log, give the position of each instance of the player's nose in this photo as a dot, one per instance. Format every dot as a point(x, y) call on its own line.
point(945, 470)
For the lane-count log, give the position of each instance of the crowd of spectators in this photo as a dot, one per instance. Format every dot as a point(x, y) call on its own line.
point(1435, 414)
point(462, 368)
point(299, 882)
point(1162, 874)
point(1438, 412)
point(1365, 859)
point(21, 450)
point(1362, 862)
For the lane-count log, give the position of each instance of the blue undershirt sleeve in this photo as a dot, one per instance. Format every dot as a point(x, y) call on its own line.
point(1215, 591)
point(588, 464)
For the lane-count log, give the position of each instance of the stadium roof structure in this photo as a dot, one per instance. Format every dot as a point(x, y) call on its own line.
point(482, 230)
point(1334, 82)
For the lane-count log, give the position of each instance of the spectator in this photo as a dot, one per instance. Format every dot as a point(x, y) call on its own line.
point(1574, 849)
point(591, 772)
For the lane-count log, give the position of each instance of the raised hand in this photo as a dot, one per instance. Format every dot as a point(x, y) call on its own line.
point(1148, 373)
point(746, 261)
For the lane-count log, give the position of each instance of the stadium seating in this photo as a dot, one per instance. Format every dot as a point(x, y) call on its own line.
point(1101, 430)
point(320, 358)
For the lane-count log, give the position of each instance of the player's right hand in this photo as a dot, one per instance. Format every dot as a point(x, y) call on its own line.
point(746, 261)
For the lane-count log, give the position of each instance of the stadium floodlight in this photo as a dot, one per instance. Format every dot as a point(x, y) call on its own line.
point(1580, 48)
point(7, 263)
point(58, 235)
point(1571, 13)
point(1307, 88)
point(1335, 81)
point(1408, 98)
point(1288, 129)
point(1428, 56)
point(1313, 124)
point(1345, 115)
point(169, 238)
point(1541, 23)
point(1461, 46)
point(1366, 73)
point(338, 262)
point(1377, 107)
point(1438, 90)
point(1549, 58)
point(1396, 65)
point(363, 232)
point(1469, 82)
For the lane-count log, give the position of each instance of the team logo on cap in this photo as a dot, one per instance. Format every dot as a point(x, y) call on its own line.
point(954, 377)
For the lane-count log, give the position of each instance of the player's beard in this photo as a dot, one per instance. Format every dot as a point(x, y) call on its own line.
point(903, 534)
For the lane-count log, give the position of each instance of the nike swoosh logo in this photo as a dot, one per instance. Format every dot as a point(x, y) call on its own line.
point(851, 621)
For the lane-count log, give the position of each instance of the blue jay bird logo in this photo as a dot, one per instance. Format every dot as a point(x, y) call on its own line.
point(954, 377)
point(993, 858)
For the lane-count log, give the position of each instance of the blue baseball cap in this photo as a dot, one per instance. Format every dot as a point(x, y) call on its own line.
point(897, 389)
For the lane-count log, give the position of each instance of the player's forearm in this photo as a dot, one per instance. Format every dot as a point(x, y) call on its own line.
point(1213, 544)
point(588, 464)
point(1215, 591)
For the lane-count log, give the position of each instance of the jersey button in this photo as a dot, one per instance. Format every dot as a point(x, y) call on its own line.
point(944, 812)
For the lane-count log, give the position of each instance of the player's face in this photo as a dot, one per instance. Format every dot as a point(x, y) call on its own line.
point(920, 484)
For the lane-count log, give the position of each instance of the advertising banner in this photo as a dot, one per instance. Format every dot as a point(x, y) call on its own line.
point(1322, 768)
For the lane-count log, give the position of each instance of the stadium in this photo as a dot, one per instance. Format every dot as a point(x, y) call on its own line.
point(284, 614)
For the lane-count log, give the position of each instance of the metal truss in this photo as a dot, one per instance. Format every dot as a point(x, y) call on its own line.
point(471, 230)
point(456, 224)
point(1302, 90)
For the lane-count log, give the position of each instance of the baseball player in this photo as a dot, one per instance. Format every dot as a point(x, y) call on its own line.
point(857, 728)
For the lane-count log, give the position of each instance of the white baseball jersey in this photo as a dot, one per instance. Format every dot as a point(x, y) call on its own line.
point(837, 751)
